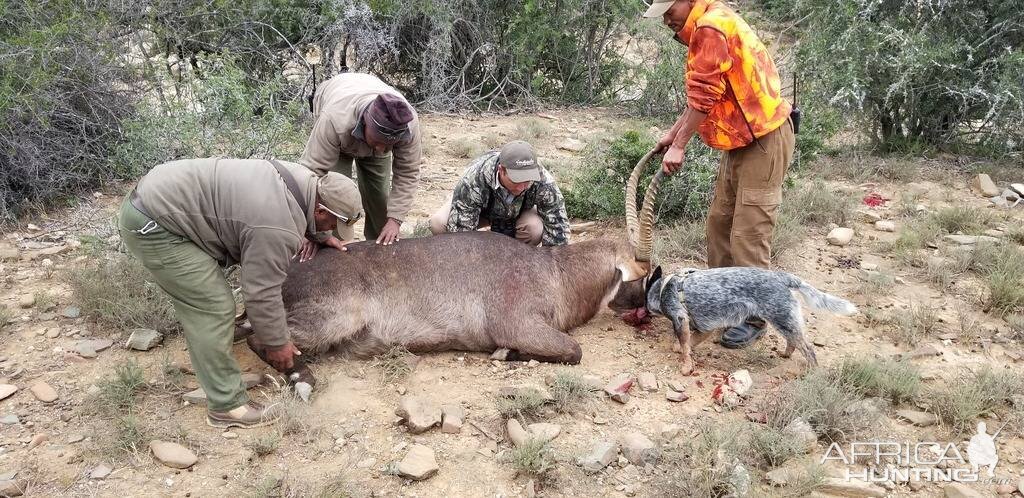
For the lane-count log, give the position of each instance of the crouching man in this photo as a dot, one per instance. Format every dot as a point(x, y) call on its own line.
point(187, 218)
point(510, 192)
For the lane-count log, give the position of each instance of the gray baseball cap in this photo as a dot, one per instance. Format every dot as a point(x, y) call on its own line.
point(340, 196)
point(520, 161)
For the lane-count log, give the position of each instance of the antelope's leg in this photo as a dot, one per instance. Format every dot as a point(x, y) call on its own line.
point(542, 343)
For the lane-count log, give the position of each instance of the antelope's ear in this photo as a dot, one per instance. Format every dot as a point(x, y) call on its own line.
point(652, 279)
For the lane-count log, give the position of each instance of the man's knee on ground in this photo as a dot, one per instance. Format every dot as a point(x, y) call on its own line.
point(529, 228)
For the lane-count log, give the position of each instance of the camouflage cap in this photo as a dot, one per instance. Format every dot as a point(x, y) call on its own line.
point(339, 195)
point(520, 162)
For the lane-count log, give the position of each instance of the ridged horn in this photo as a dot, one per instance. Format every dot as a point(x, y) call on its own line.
point(632, 229)
point(645, 241)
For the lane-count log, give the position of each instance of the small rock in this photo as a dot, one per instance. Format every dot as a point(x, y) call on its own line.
point(43, 392)
point(618, 388)
point(869, 216)
point(366, 463)
point(648, 382)
point(418, 464)
point(75, 438)
point(9, 419)
point(676, 396)
point(37, 440)
point(451, 418)
point(543, 431)
point(6, 390)
point(143, 339)
point(778, 477)
point(602, 455)
point(196, 397)
point(966, 240)
point(958, 490)
point(11, 488)
point(918, 418)
point(9, 252)
point(52, 333)
point(984, 185)
point(71, 312)
point(1019, 189)
point(1005, 489)
point(740, 381)
point(572, 145)
point(419, 415)
point(516, 433)
point(229, 435)
point(922, 352)
point(639, 449)
point(27, 300)
point(852, 487)
point(100, 472)
point(840, 236)
point(172, 454)
point(802, 432)
point(885, 226)
point(868, 266)
point(677, 385)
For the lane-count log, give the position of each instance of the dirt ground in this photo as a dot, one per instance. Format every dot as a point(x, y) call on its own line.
point(353, 436)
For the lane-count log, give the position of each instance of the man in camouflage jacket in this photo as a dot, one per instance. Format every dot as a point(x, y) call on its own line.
point(510, 192)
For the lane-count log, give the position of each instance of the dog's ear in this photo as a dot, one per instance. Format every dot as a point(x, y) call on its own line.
point(652, 279)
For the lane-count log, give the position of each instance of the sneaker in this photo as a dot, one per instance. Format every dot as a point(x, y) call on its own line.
point(247, 416)
point(744, 334)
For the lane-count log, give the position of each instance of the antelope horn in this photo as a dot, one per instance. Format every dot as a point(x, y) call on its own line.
point(645, 241)
point(632, 230)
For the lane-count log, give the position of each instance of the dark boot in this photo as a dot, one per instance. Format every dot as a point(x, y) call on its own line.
point(744, 334)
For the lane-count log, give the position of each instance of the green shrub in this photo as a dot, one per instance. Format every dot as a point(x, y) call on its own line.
point(918, 74)
point(598, 188)
point(961, 402)
point(119, 293)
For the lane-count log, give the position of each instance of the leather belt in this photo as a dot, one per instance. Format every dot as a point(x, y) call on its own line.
point(137, 203)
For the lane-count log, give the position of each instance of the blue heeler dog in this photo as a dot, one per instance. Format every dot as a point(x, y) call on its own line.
point(702, 301)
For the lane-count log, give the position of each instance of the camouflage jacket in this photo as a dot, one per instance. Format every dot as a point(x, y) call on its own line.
point(479, 194)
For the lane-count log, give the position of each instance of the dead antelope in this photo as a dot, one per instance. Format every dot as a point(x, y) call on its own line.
point(476, 291)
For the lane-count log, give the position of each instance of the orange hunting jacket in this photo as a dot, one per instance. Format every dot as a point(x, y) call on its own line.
point(731, 77)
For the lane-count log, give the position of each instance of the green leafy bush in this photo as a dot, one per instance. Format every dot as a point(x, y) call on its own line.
point(598, 189)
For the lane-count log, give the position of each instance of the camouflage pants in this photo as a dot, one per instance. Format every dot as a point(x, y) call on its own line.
point(529, 226)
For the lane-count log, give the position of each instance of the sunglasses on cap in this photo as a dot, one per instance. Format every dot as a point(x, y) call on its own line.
point(386, 133)
point(342, 218)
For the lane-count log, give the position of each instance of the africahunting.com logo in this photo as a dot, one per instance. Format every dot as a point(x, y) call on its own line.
point(923, 461)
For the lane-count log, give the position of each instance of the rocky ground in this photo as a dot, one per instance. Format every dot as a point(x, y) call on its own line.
point(350, 439)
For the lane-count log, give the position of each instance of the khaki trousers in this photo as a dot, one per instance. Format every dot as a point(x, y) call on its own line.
point(748, 191)
point(202, 300)
point(529, 226)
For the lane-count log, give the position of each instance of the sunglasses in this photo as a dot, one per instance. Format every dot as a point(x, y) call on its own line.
point(345, 220)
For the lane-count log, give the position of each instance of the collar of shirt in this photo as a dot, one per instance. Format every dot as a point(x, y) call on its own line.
point(359, 132)
point(698, 10)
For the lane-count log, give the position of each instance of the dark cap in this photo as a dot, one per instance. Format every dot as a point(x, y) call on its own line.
point(391, 114)
point(520, 162)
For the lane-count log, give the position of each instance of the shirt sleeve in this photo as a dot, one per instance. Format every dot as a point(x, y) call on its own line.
point(266, 254)
point(467, 203)
point(705, 69)
point(405, 173)
point(551, 208)
point(323, 148)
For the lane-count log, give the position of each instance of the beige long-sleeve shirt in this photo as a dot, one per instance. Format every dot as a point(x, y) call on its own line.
point(337, 108)
point(237, 210)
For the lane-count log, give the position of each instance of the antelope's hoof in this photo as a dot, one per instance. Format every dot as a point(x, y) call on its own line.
point(687, 367)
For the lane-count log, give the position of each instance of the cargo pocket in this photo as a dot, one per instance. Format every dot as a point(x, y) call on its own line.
point(761, 196)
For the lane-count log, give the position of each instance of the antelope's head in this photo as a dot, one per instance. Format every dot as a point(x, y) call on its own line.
point(640, 231)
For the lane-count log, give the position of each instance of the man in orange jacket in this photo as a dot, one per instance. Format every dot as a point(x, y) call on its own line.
point(734, 101)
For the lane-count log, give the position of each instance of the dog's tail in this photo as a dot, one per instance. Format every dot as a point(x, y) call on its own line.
point(817, 299)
